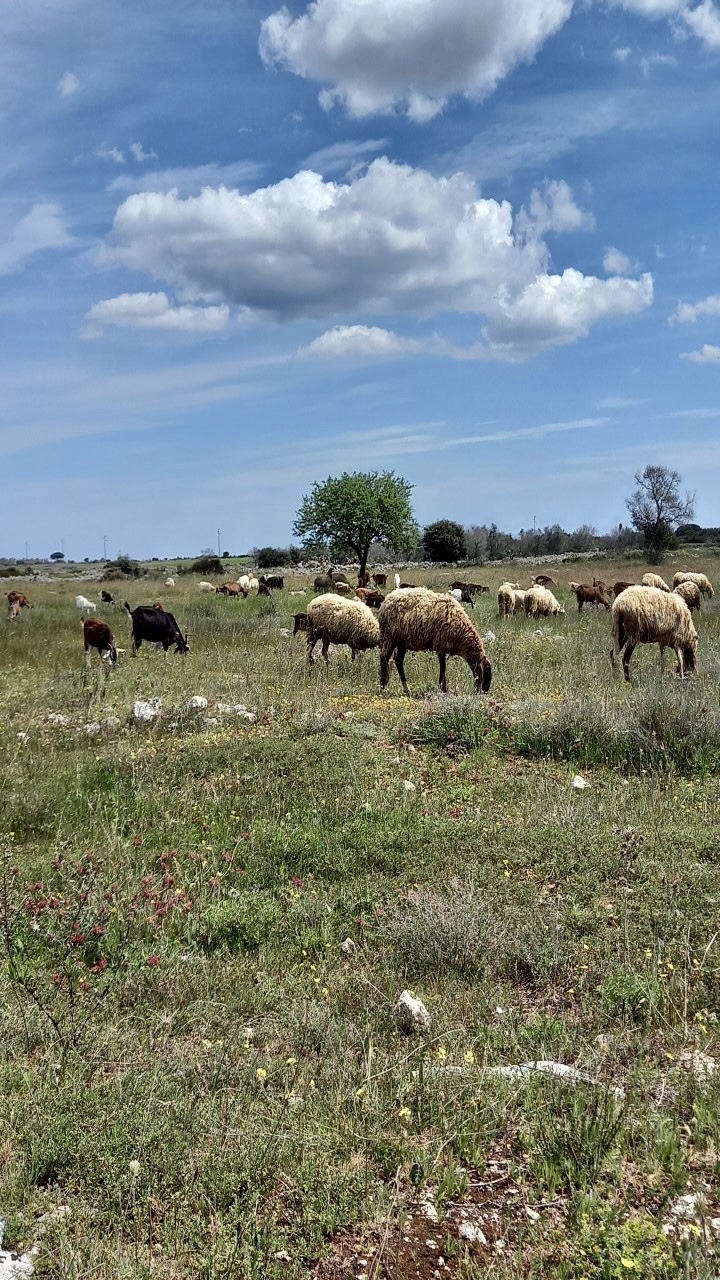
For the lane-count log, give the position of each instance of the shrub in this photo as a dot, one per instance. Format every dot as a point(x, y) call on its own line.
point(203, 564)
point(444, 541)
point(123, 567)
point(241, 924)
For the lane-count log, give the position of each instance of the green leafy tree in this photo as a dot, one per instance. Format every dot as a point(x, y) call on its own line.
point(58, 555)
point(348, 513)
point(657, 507)
point(444, 540)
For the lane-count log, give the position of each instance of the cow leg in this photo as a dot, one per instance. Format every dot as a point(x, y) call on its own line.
point(442, 658)
point(135, 646)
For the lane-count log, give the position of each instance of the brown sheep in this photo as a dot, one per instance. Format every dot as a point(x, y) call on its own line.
point(585, 594)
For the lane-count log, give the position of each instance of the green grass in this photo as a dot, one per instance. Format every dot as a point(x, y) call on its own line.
point(192, 1064)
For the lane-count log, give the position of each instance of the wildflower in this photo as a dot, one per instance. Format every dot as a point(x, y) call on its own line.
point(153, 961)
point(442, 1053)
point(261, 1074)
point(134, 1167)
point(290, 1062)
point(360, 1093)
point(469, 1058)
point(404, 1113)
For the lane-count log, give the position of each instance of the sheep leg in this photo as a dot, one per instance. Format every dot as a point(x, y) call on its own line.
point(627, 655)
point(311, 642)
point(400, 664)
point(442, 659)
point(325, 647)
point(384, 669)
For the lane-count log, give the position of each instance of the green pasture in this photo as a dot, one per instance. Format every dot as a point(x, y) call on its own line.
point(205, 1083)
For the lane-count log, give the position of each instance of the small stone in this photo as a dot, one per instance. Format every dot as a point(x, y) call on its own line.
point(532, 1214)
point(411, 1012)
point(579, 783)
point(15, 1266)
point(700, 1065)
point(197, 703)
point(489, 637)
point(428, 1210)
point(471, 1232)
point(110, 724)
point(282, 1255)
point(687, 1208)
point(144, 712)
point(92, 728)
point(348, 947)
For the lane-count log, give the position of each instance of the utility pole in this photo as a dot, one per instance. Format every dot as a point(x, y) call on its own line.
point(104, 546)
point(26, 549)
point(218, 543)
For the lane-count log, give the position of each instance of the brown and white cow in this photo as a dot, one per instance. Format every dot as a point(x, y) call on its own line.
point(97, 635)
point(16, 602)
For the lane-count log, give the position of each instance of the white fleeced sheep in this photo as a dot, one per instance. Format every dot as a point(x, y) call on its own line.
point(206, 586)
point(336, 620)
point(343, 589)
point(541, 603)
point(654, 580)
point(169, 582)
point(702, 582)
point(419, 620)
point(510, 599)
point(690, 593)
point(244, 582)
point(254, 585)
point(647, 615)
point(82, 602)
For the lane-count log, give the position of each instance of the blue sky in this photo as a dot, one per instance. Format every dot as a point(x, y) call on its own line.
point(245, 247)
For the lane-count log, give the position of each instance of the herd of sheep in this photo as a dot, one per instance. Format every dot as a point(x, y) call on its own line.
point(416, 619)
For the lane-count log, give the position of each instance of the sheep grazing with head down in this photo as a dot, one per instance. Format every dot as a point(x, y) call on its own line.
point(335, 619)
point(426, 621)
point(702, 582)
point(510, 599)
point(690, 593)
point(647, 615)
point(541, 603)
point(654, 580)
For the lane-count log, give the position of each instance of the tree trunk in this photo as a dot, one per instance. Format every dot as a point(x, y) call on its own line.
point(363, 560)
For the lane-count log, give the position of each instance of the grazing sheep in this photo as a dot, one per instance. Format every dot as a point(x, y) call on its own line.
point(621, 586)
point(510, 599)
point(336, 620)
point(97, 635)
point(648, 615)
point(82, 602)
point(343, 589)
point(300, 620)
point(541, 603)
point(702, 582)
point(16, 602)
point(427, 621)
point(253, 585)
point(206, 586)
point(273, 581)
point(654, 580)
point(169, 582)
point(543, 580)
point(232, 589)
point(244, 582)
point(472, 587)
point(690, 593)
point(462, 595)
point(586, 594)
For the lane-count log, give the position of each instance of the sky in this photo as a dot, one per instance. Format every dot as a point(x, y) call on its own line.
point(245, 247)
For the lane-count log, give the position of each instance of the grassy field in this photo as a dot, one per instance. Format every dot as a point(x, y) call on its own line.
point(198, 1079)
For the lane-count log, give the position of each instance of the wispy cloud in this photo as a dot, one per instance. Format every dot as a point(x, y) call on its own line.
point(190, 180)
point(68, 85)
point(688, 312)
point(104, 152)
point(41, 229)
point(706, 355)
point(140, 154)
point(344, 157)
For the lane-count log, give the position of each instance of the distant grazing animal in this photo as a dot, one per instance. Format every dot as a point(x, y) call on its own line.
point(462, 595)
point(106, 597)
point(16, 602)
point(690, 593)
point(396, 580)
point(300, 620)
point(343, 588)
point(333, 619)
point(244, 582)
point(97, 635)
point(233, 590)
point(169, 582)
point(253, 585)
point(587, 594)
point(206, 586)
point(156, 627)
point(473, 587)
point(543, 580)
point(541, 603)
point(648, 615)
point(273, 582)
point(380, 579)
point(428, 621)
point(702, 582)
point(370, 595)
point(82, 602)
point(363, 580)
point(510, 599)
point(654, 580)
point(621, 586)
point(263, 588)
point(598, 582)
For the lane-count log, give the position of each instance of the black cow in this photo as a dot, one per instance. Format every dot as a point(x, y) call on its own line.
point(157, 627)
point(273, 582)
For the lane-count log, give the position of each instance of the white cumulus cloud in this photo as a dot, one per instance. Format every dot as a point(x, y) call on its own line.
point(68, 85)
point(704, 22)
point(616, 263)
point(393, 240)
point(553, 208)
point(42, 228)
point(358, 340)
point(153, 311)
point(139, 153)
point(382, 55)
point(688, 312)
point(702, 19)
point(706, 355)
